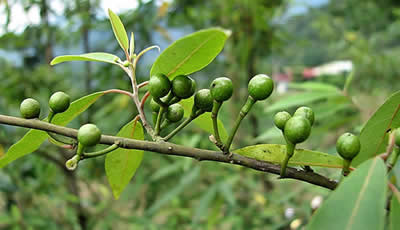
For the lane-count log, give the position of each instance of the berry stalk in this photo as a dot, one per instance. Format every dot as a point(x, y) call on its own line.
point(243, 112)
point(214, 117)
point(289, 153)
point(192, 116)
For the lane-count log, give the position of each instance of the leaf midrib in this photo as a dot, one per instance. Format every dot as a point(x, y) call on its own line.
point(189, 56)
point(360, 196)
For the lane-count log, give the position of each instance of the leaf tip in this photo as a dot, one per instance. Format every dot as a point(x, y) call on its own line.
point(116, 195)
point(227, 32)
point(110, 12)
point(53, 62)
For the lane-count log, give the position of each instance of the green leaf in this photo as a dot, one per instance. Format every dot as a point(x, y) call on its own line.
point(34, 138)
point(374, 133)
point(185, 181)
point(204, 121)
point(77, 107)
point(315, 86)
point(395, 211)
point(190, 53)
point(275, 153)
point(204, 203)
point(101, 57)
point(121, 164)
point(132, 45)
point(29, 143)
point(119, 30)
point(303, 98)
point(357, 203)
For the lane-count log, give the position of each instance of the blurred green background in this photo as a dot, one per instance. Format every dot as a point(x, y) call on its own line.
point(311, 49)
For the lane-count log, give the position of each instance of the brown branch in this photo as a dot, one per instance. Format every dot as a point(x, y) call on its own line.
point(178, 150)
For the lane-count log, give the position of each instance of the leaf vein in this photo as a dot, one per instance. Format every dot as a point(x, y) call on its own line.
point(189, 56)
point(359, 198)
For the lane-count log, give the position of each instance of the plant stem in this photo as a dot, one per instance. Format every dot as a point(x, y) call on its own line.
point(50, 116)
point(119, 91)
point(57, 138)
point(135, 96)
point(174, 100)
point(79, 151)
point(168, 148)
point(154, 116)
point(101, 152)
point(159, 118)
point(346, 167)
point(393, 159)
point(243, 112)
point(214, 117)
point(165, 124)
point(289, 153)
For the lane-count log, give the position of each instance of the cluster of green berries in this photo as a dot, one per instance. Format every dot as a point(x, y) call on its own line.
point(296, 128)
point(167, 93)
point(260, 87)
point(59, 102)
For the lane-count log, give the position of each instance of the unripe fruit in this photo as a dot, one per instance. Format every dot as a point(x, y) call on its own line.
point(203, 100)
point(159, 85)
point(221, 89)
point(30, 108)
point(183, 87)
point(297, 129)
point(397, 137)
point(59, 102)
point(281, 118)
point(348, 146)
point(260, 87)
point(126, 63)
point(154, 106)
point(89, 135)
point(306, 112)
point(174, 113)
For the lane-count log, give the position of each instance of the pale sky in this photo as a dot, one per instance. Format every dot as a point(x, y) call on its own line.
point(20, 19)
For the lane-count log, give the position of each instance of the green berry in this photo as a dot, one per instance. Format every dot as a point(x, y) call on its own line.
point(306, 112)
point(155, 107)
point(348, 146)
point(159, 85)
point(30, 108)
point(397, 137)
point(203, 100)
point(174, 113)
point(59, 102)
point(126, 63)
point(281, 118)
point(260, 87)
point(297, 129)
point(89, 135)
point(183, 87)
point(221, 89)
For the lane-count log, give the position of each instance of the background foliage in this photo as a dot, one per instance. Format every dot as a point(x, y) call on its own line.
point(174, 193)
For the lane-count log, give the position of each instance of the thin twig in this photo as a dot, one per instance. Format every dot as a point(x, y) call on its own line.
point(146, 95)
point(178, 150)
point(143, 84)
point(119, 91)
